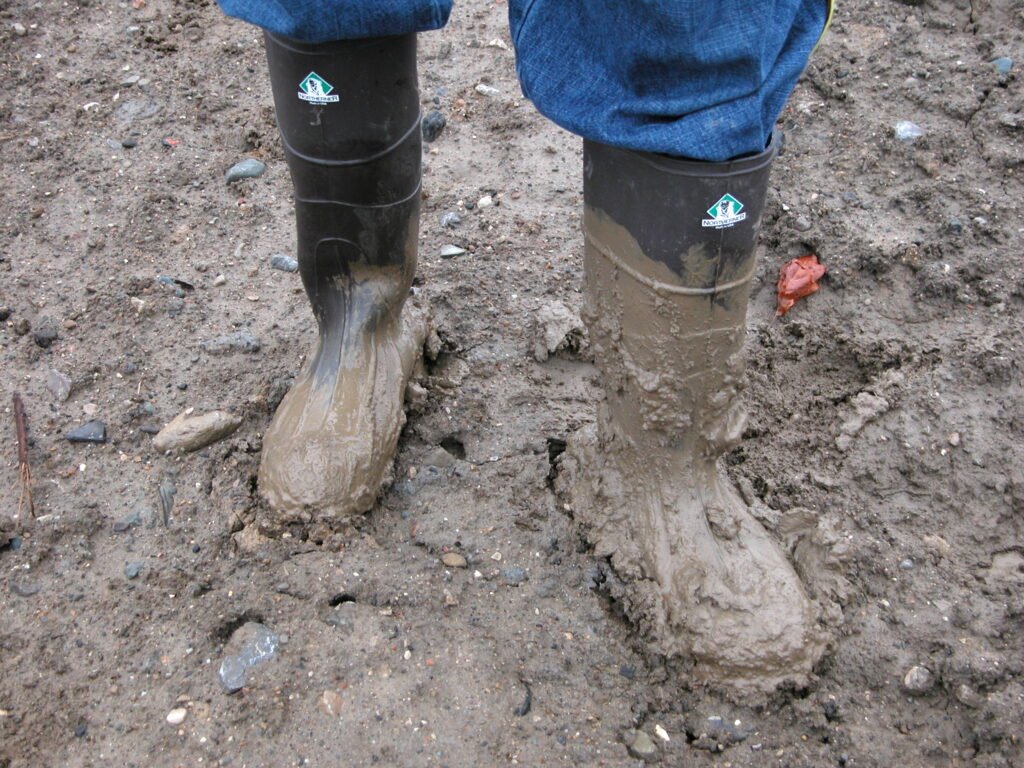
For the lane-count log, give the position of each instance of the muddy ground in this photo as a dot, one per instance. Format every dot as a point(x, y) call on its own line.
point(884, 448)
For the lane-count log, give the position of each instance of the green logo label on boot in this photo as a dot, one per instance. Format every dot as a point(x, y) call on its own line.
point(726, 212)
point(316, 90)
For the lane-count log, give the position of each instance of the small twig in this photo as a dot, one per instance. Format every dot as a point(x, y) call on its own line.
point(23, 468)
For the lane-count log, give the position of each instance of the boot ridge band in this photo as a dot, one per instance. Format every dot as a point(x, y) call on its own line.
point(354, 161)
point(321, 201)
point(661, 287)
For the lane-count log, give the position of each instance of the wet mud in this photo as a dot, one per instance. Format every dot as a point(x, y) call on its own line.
point(882, 454)
point(700, 575)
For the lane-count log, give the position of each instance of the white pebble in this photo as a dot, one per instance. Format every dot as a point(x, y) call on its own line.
point(177, 716)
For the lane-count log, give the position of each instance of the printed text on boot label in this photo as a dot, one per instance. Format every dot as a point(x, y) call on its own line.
point(316, 90)
point(726, 212)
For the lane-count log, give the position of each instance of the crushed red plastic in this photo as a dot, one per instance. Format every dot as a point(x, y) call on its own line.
point(797, 278)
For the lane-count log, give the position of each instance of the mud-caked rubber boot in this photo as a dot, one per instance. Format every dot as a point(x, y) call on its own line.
point(349, 118)
point(670, 252)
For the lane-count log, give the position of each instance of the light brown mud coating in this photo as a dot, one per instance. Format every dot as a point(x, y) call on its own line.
point(706, 580)
point(332, 442)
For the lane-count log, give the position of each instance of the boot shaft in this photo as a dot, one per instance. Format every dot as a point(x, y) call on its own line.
point(349, 118)
point(670, 252)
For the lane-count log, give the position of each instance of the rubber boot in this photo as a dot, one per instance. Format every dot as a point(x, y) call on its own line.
point(349, 118)
point(670, 252)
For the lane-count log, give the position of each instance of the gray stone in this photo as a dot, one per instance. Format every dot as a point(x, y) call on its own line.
point(250, 168)
point(24, 588)
point(44, 331)
point(906, 564)
point(90, 432)
point(284, 263)
point(131, 521)
point(450, 219)
point(433, 123)
point(239, 341)
point(166, 492)
point(908, 131)
point(643, 747)
point(1003, 65)
point(19, 29)
point(255, 644)
point(58, 384)
point(136, 109)
point(918, 680)
point(190, 433)
point(450, 251)
point(514, 576)
point(132, 570)
point(802, 224)
point(438, 457)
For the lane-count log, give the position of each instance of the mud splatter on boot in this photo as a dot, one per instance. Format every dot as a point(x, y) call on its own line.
point(666, 318)
point(349, 117)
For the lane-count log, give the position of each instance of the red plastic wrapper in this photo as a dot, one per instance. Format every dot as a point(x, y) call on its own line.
point(797, 278)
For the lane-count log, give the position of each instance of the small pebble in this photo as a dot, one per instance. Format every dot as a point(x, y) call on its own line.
point(284, 263)
point(177, 716)
point(433, 124)
point(486, 90)
point(918, 680)
point(485, 202)
point(250, 168)
point(802, 224)
point(44, 331)
point(132, 570)
point(643, 747)
point(90, 432)
point(453, 560)
point(906, 564)
point(190, 433)
point(450, 220)
point(450, 251)
point(59, 385)
point(5, 312)
point(129, 143)
point(908, 131)
point(955, 226)
point(19, 29)
point(330, 703)
point(131, 521)
point(80, 730)
point(24, 588)
point(259, 644)
point(219, 280)
point(514, 576)
point(1003, 65)
point(239, 341)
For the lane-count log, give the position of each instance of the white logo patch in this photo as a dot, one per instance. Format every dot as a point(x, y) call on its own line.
point(316, 90)
point(726, 212)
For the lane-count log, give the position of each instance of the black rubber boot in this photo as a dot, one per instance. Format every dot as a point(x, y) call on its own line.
point(349, 118)
point(670, 252)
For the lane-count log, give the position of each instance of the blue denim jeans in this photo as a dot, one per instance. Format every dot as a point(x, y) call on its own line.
point(692, 79)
